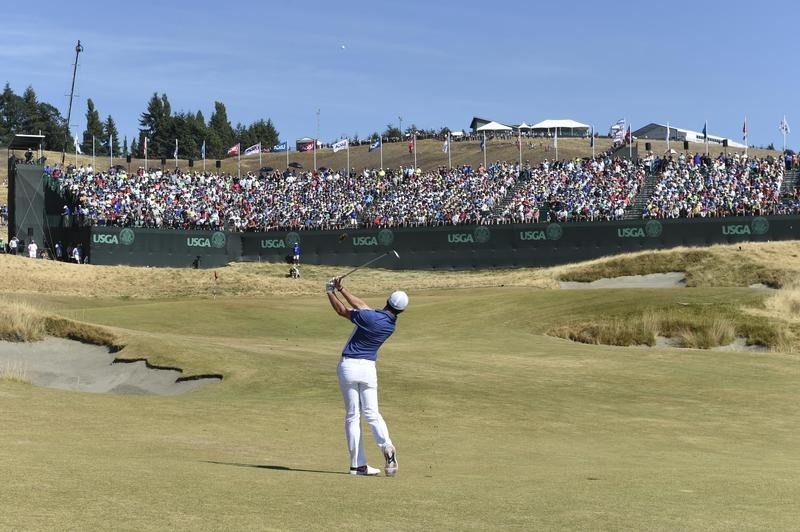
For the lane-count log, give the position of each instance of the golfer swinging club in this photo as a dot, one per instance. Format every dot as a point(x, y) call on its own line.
point(358, 378)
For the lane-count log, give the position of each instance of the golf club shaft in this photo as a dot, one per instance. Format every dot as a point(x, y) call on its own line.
point(379, 257)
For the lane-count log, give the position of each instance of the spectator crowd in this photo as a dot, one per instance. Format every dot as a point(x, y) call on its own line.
point(594, 189)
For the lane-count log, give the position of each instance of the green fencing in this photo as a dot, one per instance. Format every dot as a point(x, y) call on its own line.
point(452, 247)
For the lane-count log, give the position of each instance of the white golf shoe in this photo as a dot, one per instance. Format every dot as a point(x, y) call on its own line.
point(391, 460)
point(364, 470)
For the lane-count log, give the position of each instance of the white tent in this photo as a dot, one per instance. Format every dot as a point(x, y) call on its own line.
point(494, 126)
point(560, 124)
point(523, 126)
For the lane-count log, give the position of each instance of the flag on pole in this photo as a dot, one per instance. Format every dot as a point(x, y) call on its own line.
point(175, 154)
point(744, 130)
point(784, 126)
point(203, 150)
point(446, 145)
point(234, 150)
point(705, 131)
point(591, 138)
point(255, 148)
point(77, 146)
point(283, 146)
point(629, 135)
point(483, 141)
point(375, 145)
point(555, 138)
point(412, 144)
point(145, 147)
point(340, 145)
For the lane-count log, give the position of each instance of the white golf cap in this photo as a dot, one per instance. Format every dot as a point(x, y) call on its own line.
point(398, 300)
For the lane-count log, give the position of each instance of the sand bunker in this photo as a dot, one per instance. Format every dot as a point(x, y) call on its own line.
point(653, 280)
point(71, 365)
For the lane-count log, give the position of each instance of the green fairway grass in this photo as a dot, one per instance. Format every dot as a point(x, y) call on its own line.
point(498, 425)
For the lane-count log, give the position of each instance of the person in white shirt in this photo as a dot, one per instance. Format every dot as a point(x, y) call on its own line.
point(33, 249)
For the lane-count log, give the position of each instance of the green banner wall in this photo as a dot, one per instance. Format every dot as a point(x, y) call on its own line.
point(459, 247)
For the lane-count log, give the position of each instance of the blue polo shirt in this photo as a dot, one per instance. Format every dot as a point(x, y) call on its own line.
point(373, 327)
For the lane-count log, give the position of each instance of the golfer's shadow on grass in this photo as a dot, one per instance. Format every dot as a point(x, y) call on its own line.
point(275, 467)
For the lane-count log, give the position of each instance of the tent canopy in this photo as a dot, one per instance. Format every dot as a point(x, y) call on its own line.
point(494, 126)
point(560, 124)
point(23, 142)
point(523, 126)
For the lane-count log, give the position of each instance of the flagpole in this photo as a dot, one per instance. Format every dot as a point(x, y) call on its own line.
point(449, 150)
point(111, 150)
point(667, 136)
point(630, 142)
point(556, 142)
point(94, 163)
point(287, 154)
point(239, 161)
point(705, 127)
point(592, 141)
point(145, 154)
point(176, 153)
point(519, 145)
point(381, 147)
point(348, 157)
point(260, 163)
point(484, 149)
point(76, 151)
point(415, 151)
point(744, 131)
point(204, 156)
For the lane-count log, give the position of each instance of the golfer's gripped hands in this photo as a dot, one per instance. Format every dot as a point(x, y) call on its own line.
point(330, 285)
point(338, 283)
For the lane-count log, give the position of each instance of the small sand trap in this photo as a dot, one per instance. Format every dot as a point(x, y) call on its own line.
point(71, 365)
point(652, 280)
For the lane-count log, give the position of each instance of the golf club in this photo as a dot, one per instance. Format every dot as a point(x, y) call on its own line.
point(379, 257)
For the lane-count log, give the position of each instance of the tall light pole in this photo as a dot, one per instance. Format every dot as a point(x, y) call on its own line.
point(78, 50)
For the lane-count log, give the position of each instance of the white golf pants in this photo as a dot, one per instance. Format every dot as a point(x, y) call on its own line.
point(358, 381)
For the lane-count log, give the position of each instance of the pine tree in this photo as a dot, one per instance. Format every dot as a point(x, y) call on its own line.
point(220, 132)
point(157, 125)
point(125, 146)
point(109, 133)
point(94, 130)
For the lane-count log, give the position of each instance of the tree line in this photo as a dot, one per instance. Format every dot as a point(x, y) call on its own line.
point(158, 124)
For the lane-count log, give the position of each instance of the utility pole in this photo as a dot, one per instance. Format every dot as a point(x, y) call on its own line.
point(78, 50)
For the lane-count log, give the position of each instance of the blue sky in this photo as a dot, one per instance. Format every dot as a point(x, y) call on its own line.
point(364, 64)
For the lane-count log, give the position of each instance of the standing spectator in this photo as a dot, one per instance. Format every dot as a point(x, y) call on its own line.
point(296, 253)
point(33, 249)
point(2, 245)
point(59, 249)
point(76, 254)
point(13, 244)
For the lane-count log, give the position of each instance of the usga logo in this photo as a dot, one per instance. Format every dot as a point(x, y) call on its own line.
point(532, 235)
point(125, 237)
point(552, 232)
point(104, 238)
point(217, 240)
point(272, 244)
point(365, 241)
point(630, 232)
point(737, 229)
point(480, 235)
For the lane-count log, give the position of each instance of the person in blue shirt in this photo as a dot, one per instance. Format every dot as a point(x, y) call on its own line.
point(296, 253)
point(358, 378)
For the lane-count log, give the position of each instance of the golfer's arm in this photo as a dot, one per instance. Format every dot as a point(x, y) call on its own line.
point(338, 306)
point(354, 301)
